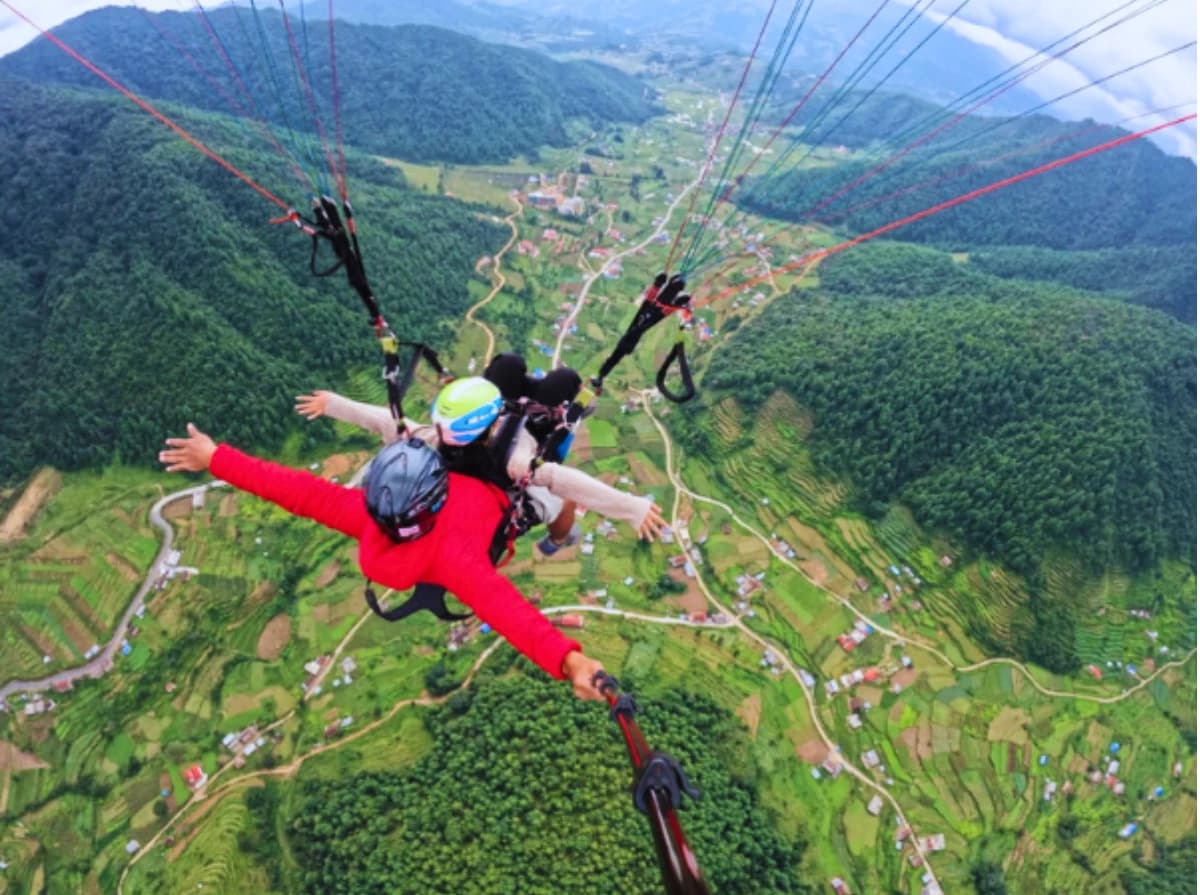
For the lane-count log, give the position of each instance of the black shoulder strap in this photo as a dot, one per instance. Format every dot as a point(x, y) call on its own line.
point(430, 597)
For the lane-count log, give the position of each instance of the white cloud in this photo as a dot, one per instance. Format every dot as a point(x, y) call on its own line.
point(1016, 28)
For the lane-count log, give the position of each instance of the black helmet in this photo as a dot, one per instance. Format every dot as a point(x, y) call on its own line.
point(406, 486)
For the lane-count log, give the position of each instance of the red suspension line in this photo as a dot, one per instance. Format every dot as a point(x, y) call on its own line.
point(1004, 88)
point(147, 107)
point(944, 206)
point(337, 110)
point(803, 102)
point(256, 116)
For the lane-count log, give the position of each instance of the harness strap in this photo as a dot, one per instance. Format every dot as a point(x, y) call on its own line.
point(430, 597)
point(685, 374)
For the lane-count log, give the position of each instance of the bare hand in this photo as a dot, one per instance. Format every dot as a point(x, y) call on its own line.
point(580, 671)
point(312, 406)
point(191, 454)
point(653, 525)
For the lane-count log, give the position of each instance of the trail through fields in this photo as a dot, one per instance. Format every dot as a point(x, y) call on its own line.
point(498, 281)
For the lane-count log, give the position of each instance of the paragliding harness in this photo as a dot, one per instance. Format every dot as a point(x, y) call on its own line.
point(560, 421)
point(327, 225)
point(488, 462)
point(664, 297)
point(659, 785)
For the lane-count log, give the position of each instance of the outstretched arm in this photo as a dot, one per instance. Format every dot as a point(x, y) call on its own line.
point(371, 417)
point(300, 493)
point(586, 491)
point(497, 602)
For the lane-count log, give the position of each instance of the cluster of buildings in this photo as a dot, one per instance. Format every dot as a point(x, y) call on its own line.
point(36, 704)
point(169, 569)
point(748, 584)
point(855, 636)
point(243, 744)
point(783, 547)
point(313, 668)
point(553, 199)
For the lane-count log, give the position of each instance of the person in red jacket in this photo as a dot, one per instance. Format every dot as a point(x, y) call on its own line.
point(413, 522)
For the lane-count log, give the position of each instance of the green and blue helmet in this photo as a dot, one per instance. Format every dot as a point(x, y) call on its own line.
point(465, 409)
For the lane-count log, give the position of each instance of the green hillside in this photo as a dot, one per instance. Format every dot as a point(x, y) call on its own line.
point(1147, 197)
point(412, 92)
point(143, 286)
point(1018, 419)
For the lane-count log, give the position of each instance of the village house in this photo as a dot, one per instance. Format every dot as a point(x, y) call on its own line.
point(568, 621)
point(936, 842)
point(871, 758)
point(875, 805)
point(195, 777)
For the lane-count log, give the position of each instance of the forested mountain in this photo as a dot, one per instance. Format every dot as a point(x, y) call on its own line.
point(1019, 419)
point(563, 30)
point(1132, 195)
point(1162, 277)
point(1128, 215)
point(142, 286)
point(412, 92)
point(949, 62)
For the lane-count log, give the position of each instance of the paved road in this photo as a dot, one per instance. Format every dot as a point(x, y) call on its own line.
point(102, 662)
point(565, 330)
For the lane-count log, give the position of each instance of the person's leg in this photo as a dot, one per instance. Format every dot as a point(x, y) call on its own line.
point(559, 528)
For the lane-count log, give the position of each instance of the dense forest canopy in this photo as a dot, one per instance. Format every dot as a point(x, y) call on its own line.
point(143, 288)
point(1017, 418)
point(1162, 277)
point(526, 790)
point(412, 92)
point(1134, 198)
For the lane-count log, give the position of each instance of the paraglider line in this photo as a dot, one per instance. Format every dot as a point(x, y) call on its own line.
point(943, 206)
point(720, 134)
point(337, 110)
point(302, 77)
point(1004, 88)
point(147, 107)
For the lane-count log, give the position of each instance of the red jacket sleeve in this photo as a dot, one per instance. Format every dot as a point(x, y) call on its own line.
point(497, 602)
point(300, 493)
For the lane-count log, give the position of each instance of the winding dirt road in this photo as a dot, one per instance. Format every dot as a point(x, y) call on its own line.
point(498, 280)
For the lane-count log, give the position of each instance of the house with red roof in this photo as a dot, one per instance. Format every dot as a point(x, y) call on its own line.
point(195, 777)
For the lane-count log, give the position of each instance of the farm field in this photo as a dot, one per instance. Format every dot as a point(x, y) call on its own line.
point(971, 754)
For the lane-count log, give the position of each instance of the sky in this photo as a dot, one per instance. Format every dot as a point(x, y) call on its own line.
point(1017, 28)
point(1013, 28)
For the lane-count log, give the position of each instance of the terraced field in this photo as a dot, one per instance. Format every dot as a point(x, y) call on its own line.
point(64, 586)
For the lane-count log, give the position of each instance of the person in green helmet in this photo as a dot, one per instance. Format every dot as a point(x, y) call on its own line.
point(477, 437)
